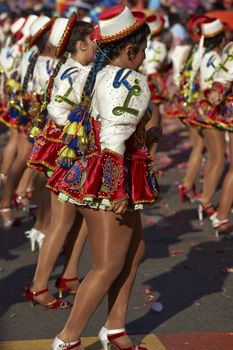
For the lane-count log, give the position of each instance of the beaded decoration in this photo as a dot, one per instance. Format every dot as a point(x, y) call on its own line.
point(65, 36)
point(120, 35)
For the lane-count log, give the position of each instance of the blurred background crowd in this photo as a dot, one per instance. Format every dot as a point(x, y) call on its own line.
point(176, 11)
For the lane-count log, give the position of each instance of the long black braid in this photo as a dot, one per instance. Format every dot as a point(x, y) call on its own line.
point(29, 72)
point(101, 60)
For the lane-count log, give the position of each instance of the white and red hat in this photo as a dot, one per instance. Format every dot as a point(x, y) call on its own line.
point(194, 26)
point(61, 32)
point(117, 22)
point(212, 28)
point(27, 24)
point(17, 25)
point(41, 25)
point(156, 23)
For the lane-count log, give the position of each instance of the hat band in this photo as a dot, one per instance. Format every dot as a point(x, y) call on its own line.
point(122, 34)
point(212, 35)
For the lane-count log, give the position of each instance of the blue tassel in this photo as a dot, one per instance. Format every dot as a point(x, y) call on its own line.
point(65, 163)
point(14, 113)
point(23, 120)
point(74, 143)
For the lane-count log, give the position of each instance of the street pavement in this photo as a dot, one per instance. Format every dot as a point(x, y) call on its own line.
point(186, 269)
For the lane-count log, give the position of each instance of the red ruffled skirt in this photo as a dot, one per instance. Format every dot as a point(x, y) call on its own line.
point(45, 149)
point(102, 178)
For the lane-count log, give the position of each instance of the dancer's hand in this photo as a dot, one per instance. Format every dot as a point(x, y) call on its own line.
point(119, 207)
point(214, 97)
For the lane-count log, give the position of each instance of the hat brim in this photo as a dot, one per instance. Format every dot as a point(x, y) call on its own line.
point(140, 19)
point(194, 26)
point(66, 35)
point(34, 39)
point(159, 29)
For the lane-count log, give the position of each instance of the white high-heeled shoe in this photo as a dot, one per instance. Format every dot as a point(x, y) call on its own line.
point(35, 236)
point(226, 232)
point(103, 336)
point(59, 344)
point(7, 224)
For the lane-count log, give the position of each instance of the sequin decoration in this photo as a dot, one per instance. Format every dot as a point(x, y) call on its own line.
point(110, 176)
point(76, 176)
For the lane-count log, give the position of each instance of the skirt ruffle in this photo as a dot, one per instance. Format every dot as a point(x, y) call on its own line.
point(46, 148)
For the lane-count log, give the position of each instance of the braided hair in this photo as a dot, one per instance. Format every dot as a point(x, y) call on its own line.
point(30, 69)
point(61, 61)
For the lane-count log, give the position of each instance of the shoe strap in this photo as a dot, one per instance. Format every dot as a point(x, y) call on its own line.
point(70, 345)
point(69, 279)
point(117, 335)
point(40, 292)
point(217, 223)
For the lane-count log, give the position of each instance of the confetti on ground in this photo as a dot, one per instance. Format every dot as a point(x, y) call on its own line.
point(175, 252)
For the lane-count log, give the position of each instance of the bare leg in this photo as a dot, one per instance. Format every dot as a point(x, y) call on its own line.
point(15, 174)
point(215, 144)
point(75, 242)
point(110, 241)
point(195, 159)
point(9, 152)
point(226, 198)
point(119, 293)
point(62, 219)
point(25, 181)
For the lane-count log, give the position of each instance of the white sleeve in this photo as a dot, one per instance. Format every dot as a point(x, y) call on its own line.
point(122, 99)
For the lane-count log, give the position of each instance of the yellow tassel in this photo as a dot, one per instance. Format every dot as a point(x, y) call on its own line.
point(66, 152)
point(81, 135)
point(70, 128)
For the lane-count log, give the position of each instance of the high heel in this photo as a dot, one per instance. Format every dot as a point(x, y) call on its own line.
point(55, 304)
point(206, 209)
point(7, 224)
point(59, 344)
point(20, 203)
point(35, 236)
point(188, 195)
point(222, 229)
point(61, 284)
point(112, 337)
point(103, 336)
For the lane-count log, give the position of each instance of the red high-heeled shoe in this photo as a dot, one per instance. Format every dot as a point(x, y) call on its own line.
point(112, 337)
point(55, 304)
point(188, 195)
point(23, 202)
point(61, 284)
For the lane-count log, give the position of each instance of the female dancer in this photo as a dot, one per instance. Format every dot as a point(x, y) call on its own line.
point(214, 141)
point(185, 67)
point(66, 93)
point(156, 55)
point(9, 57)
point(221, 97)
point(22, 120)
point(112, 173)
